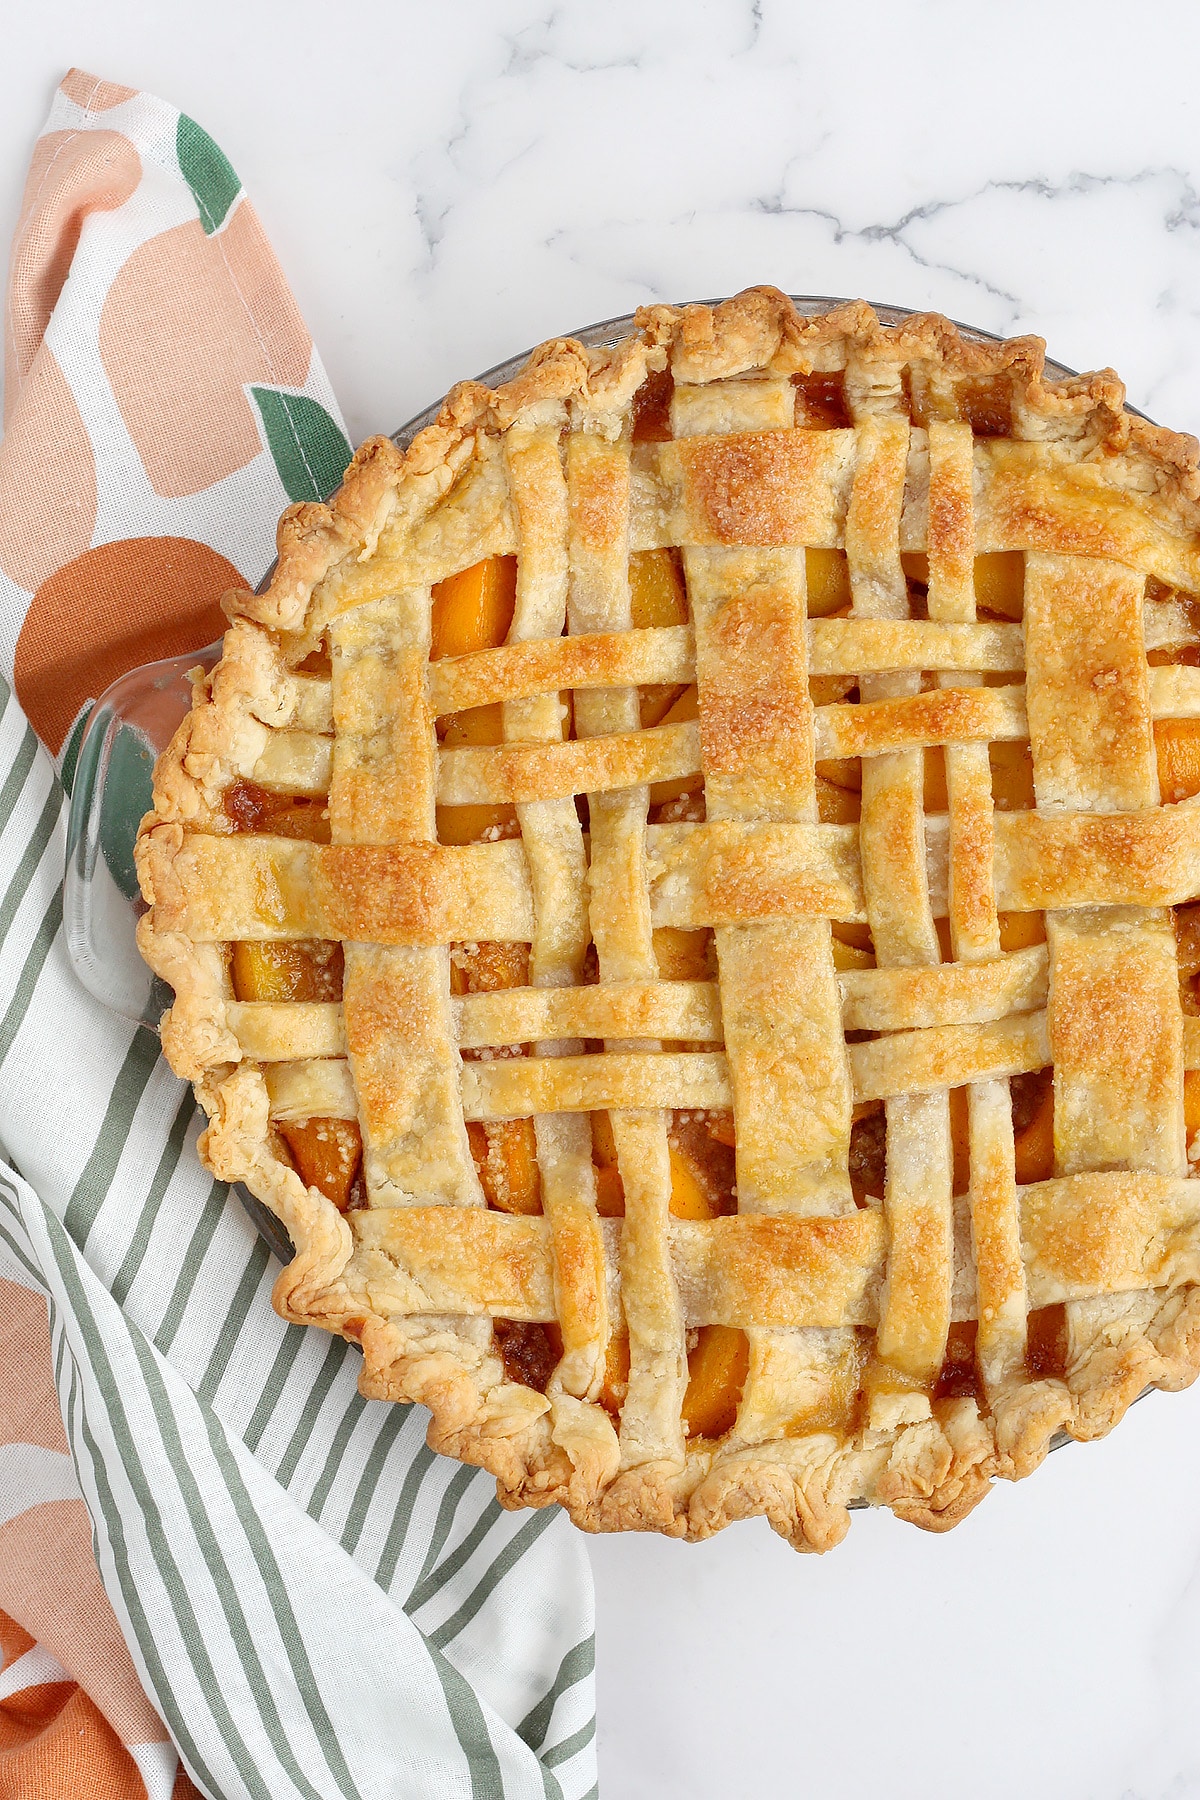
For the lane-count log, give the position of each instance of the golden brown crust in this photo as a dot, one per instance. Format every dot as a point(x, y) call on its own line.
point(1059, 470)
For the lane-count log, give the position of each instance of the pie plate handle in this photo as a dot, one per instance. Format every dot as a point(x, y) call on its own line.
point(131, 723)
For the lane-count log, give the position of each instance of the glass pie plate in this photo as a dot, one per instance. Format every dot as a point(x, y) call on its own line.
point(134, 720)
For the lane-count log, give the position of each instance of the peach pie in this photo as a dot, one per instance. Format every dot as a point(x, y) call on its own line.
point(680, 894)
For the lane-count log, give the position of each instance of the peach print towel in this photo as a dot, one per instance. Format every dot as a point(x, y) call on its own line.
point(218, 1564)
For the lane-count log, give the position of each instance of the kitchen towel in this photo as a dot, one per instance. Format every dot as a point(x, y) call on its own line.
point(211, 1547)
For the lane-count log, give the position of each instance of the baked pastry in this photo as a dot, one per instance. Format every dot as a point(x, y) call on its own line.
point(679, 894)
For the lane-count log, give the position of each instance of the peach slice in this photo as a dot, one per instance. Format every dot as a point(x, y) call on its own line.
point(828, 580)
point(1191, 1103)
point(1177, 744)
point(657, 596)
point(858, 936)
point(327, 1154)
point(616, 1372)
point(287, 971)
point(999, 580)
point(473, 824)
point(485, 968)
point(1000, 583)
point(720, 1128)
point(960, 1139)
point(505, 1154)
point(610, 1189)
point(717, 1370)
point(843, 772)
point(1018, 931)
point(837, 805)
point(478, 725)
point(610, 1193)
point(504, 1150)
point(690, 1193)
point(935, 798)
point(1034, 1144)
point(1012, 775)
point(1187, 952)
point(690, 1197)
point(474, 610)
point(684, 955)
point(851, 956)
point(604, 1144)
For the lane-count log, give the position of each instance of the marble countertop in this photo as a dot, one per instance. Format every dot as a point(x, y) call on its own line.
point(446, 185)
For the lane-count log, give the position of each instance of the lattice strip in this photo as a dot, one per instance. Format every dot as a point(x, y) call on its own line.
point(1118, 1051)
point(1088, 693)
point(415, 1146)
point(599, 483)
point(911, 1340)
point(1087, 1238)
point(725, 872)
point(779, 994)
point(974, 927)
point(553, 841)
point(906, 1063)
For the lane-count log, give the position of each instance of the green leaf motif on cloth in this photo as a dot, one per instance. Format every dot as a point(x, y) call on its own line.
point(70, 750)
point(128, 795)
point(207, 171)
point(309, 447)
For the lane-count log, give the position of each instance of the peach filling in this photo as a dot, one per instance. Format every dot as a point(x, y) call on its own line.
point(959, 1377)
point(657, 597)
point(530, 1352)
point(249, 807)
point(474, 611)
point(1177, 749)
point(326, 1153)
point(718, 1363)
point(821, 401)
point(1046, 1345)
point(652, 408)
point(1033, 1125)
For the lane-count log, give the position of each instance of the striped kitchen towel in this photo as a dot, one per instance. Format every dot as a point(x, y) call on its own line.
point(212, 1549)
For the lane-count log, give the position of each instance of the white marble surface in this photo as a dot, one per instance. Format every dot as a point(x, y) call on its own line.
point(446, 184)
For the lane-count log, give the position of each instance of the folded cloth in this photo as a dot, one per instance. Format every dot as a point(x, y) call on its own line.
point(212, 1549)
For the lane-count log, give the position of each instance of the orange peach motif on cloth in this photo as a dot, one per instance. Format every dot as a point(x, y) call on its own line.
point(124, 603)
point(213, 326)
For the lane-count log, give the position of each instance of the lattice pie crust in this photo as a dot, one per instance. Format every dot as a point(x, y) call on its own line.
point(777, 437)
